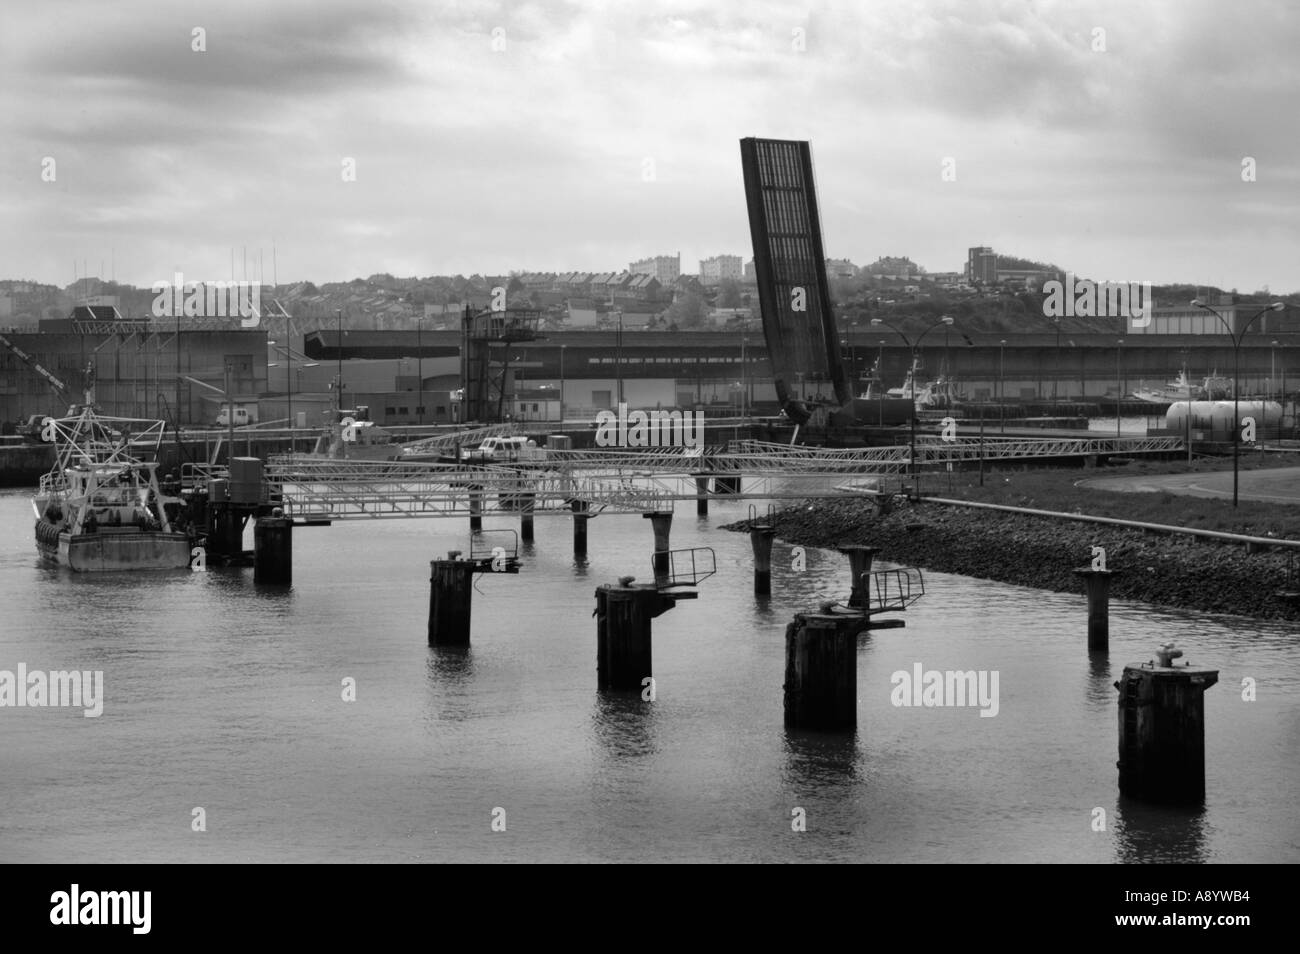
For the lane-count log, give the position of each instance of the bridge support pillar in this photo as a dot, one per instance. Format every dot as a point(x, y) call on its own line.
point(1162, 730)
point(580, 518)
point(662, 524)
point(475, 509)
point(623, 625)
point(701, 495)
point(1098, 585)
point(451, 590)
point(760, 538)
point(526, 517)
point(821, 672)
point(860, 558)
point(273, 550)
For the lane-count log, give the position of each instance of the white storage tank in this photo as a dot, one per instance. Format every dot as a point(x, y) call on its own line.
point(1213, 419)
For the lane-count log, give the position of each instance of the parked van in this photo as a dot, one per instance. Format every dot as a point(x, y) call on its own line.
point(499, 449)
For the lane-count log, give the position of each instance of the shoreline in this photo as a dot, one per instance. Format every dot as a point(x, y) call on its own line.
point(1169, 571)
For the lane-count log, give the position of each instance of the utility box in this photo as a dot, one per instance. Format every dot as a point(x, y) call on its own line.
point(246, 480)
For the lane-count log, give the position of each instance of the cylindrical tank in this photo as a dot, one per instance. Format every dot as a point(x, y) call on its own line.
point(218, 490)
point(1215, 417)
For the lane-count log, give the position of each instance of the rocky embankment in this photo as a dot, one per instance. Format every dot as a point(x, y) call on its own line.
point(1169, 570)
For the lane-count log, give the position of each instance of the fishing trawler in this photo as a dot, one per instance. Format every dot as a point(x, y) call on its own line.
point(100, 507)
point(1181, 389)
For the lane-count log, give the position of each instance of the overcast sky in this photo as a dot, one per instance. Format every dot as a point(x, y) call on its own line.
point(602, 133)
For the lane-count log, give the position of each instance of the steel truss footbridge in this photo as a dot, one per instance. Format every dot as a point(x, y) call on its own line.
point(319, 489)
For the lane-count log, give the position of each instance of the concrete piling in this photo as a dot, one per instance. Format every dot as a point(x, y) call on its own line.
point(701, 495)
point(1162, 730)
point(860, 558)
point(526, 516)
point(580, 518)
point(475, 509)
point(662, 524)
point(273, 550)
point(451, 589)
point(760, 538)
point(821, 672)
point(1098, 585)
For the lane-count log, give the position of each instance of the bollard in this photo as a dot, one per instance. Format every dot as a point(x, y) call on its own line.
point(860, 558)
point(451, 589)
point(273, 550)
point(701, 495)
point(760, 538)
point(475, 509)
point(662, 524)
point(580, 518)
point(1162, 730)
point(623, 624)
point(821, 672)
point(526, 516)
point(1098, 584)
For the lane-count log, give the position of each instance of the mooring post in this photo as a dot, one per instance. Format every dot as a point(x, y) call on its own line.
point(273, 549)
point(860, 558)
point(1162, 729)
point(760, 538)
point(701, 495)
point(526, 516)
point(580, 518)
point(623, 624)
point(451, 590)
point(475, 509)
point(821, 672)
point(662, 524)
point(1098, 584)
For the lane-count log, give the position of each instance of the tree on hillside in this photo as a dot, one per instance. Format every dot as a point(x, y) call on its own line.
point(728, 294)
point(688, 311)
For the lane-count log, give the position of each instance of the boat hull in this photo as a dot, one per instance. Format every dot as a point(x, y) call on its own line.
point(110, 549)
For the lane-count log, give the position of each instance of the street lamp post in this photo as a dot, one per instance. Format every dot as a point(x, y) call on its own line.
point(419, 367)
point(1056, 373)
point(1002, 394)
point(913, 347)
point(338, 387)
point(562, 347)
point(619, 360)
point(1236, 370)
point(1119, 387)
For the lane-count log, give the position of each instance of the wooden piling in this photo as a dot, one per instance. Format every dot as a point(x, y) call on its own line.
point(273, 550)
point(760, 538)
point(1162, 732)
point(451, 589)
point(1098, 586)
point(821, 672)
point(623, 627)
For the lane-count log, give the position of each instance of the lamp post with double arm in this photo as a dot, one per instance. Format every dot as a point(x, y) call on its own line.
point(1236, 337)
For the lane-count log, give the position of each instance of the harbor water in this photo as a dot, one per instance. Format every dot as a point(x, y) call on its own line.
point(230, 698)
